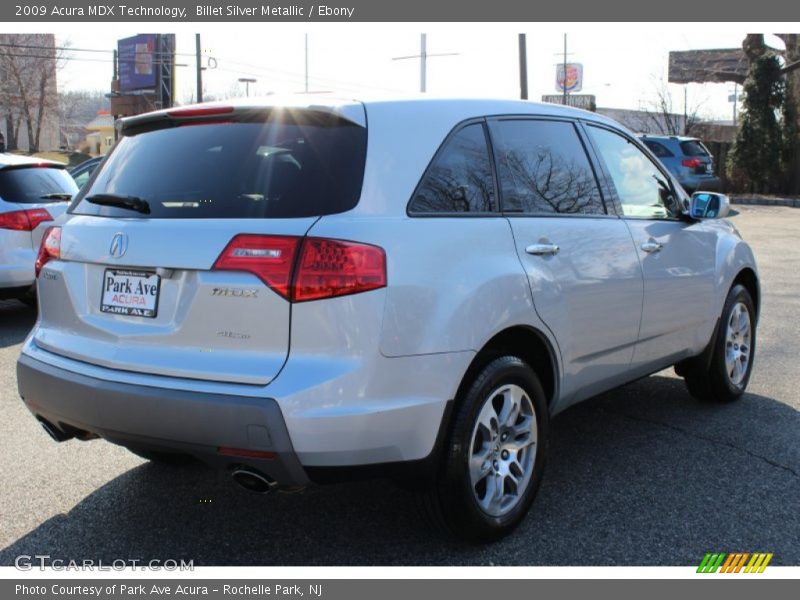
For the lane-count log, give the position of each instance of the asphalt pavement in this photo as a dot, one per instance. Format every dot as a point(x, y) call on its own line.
point(643, 475)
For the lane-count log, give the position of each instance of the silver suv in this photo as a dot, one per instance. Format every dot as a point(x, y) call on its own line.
point(33, 194)
point(318, 290)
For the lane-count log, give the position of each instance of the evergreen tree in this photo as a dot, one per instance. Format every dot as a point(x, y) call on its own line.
point(758, 155)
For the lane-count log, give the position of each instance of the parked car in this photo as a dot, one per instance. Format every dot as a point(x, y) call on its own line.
point(83, 172)
point(687, 158)
point(33, 192)
point(315, 291)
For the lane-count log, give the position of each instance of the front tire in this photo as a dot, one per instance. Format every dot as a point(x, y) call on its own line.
point(495, 454)
point(725, 376)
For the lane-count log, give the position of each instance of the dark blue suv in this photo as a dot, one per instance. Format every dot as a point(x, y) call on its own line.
point(687, 158)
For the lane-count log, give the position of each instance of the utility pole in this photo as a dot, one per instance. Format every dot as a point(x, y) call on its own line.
point(423, 60)
point(685, 109)
point(247, 81)
point(198, 57)
point(564, 102)
point(523, 67)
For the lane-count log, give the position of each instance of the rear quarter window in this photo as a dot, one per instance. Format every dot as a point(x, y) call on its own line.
point(32, 185)
point(658, 149)
point(694, 148)
point(236, 170)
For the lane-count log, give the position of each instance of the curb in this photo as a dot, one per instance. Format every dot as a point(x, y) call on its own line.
point(757, 201)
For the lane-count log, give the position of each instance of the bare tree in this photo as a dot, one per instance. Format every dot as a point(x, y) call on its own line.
point(76, 109)
point(28, 64)
point(661, 115)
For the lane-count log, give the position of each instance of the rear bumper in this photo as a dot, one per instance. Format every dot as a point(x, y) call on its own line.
point(708, 183)
point(163, 419)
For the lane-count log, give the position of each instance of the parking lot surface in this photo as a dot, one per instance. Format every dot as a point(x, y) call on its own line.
point(642, 475)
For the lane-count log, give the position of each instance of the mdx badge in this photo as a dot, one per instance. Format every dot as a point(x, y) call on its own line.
point(235, 292)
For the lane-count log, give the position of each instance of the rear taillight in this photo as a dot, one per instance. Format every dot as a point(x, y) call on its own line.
point(270, 257)
point(328, 268)
point(302, 269)
point(692, 163)
point(49, 249)
point(24, 220)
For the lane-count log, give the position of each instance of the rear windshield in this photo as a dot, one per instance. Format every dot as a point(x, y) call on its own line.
point(694, 148)
point(235, 170)
point(35, 185)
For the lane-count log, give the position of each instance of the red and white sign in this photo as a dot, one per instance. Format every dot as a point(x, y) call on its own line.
point(573, 79)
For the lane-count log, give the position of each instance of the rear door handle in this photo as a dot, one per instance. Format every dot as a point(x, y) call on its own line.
point(651, 246)
point(542, 249)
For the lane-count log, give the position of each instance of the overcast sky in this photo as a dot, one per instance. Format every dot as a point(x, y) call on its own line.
point(623, 63)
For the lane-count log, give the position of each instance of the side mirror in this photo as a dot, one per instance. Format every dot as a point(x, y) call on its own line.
point(709, 205)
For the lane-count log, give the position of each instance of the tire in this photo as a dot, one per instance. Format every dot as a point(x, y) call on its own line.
point(460, 501)
point(723, 376)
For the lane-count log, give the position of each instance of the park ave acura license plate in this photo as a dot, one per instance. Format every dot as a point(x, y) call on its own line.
point(130, 293)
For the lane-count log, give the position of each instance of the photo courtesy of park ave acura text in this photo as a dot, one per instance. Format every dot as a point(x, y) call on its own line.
point(283, 286)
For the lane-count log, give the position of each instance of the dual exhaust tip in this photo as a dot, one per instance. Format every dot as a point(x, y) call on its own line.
point(253, 481)
point(248, 478)
point(54, 432)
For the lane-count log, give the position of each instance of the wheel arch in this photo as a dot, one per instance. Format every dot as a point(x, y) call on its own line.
point(748, 278)
point(527, 343)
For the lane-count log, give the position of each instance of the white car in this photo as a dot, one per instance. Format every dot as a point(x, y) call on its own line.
point(315, 290)
point(33, 192)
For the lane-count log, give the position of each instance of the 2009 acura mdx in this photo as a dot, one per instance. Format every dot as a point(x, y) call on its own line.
point(307, 291)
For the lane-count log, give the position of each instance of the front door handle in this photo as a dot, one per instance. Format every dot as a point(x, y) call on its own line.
point(651, 246)
point(542, 249)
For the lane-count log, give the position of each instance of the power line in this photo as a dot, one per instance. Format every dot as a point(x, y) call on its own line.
point(71, 49)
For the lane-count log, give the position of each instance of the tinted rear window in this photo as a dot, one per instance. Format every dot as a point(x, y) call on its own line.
point(658, 149)
point(236, 170)
point(28, 185)
point(693, 148)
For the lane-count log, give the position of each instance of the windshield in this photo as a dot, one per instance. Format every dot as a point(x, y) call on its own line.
point(234, 170)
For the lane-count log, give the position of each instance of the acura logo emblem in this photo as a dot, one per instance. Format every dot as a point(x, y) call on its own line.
point(119, 245)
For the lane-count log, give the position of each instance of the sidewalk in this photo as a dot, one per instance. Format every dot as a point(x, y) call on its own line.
point(755, 199)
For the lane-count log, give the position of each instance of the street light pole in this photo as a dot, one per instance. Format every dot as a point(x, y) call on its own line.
point(247, 81)
point(523, 67)
point(198, 57)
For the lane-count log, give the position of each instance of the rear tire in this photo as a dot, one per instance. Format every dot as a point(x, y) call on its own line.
point(724, 377)
point(495, 454)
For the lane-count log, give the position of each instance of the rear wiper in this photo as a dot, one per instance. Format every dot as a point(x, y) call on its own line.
point(56, 196)
point(121, 201)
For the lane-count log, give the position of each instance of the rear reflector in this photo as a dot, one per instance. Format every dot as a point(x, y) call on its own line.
point(24, 220)
point(245, 453)
point(50, 248)
point(303, 269)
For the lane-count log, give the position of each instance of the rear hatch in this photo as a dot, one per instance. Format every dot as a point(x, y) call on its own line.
point(32, 197)
point(697, 159)
point(140, 290)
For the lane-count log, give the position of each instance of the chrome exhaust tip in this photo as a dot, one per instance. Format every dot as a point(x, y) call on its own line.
point(253, 481)
point(54, 432)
